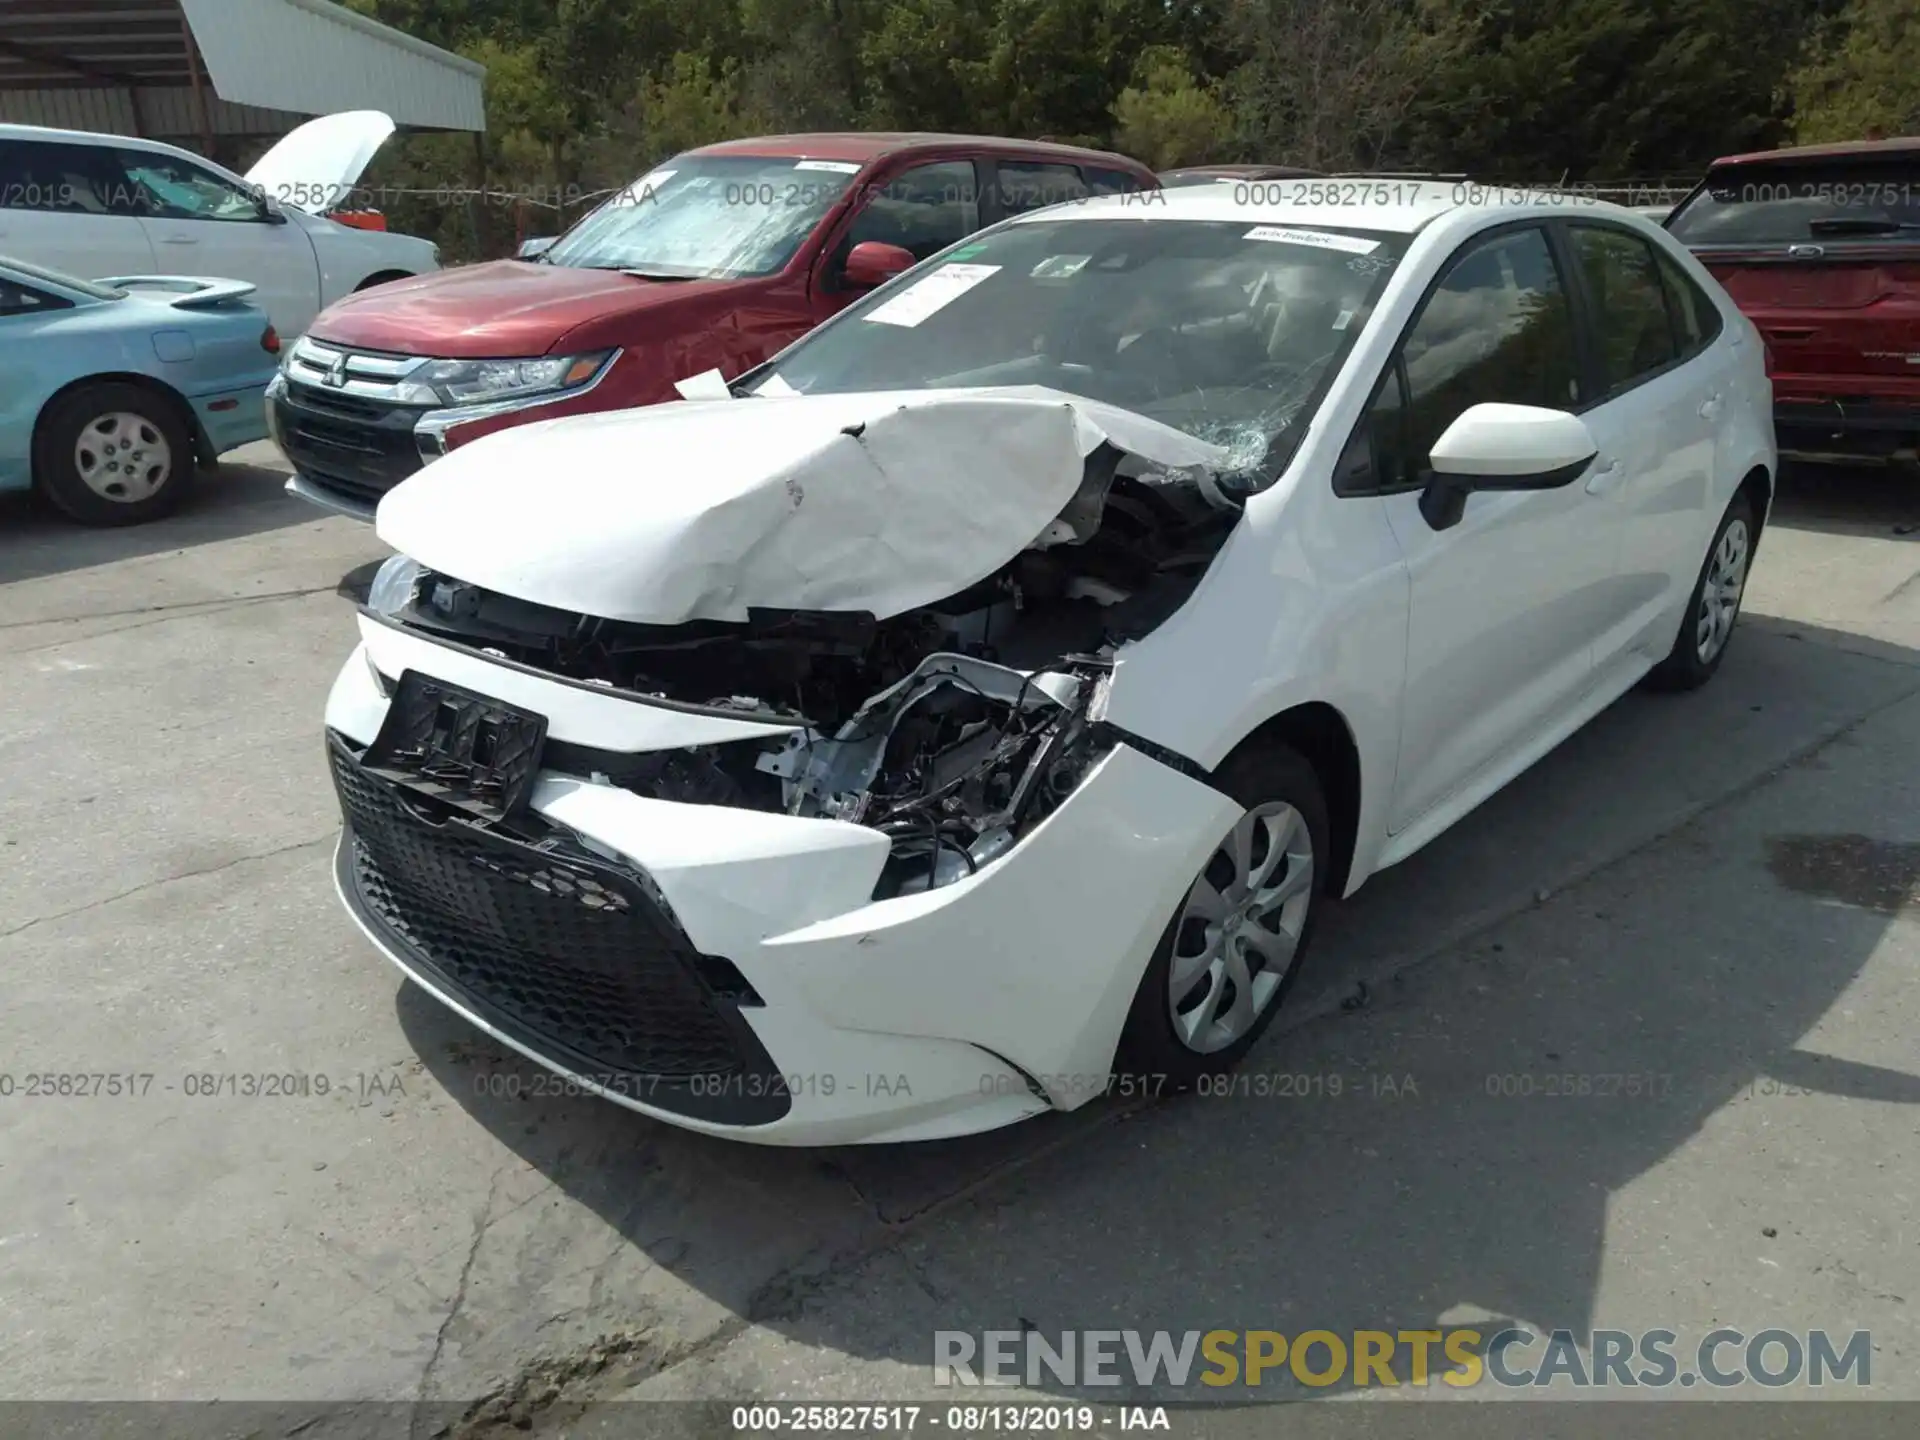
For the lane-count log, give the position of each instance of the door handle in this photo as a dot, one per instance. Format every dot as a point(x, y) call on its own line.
point(179, 240)
point(1605, 478)
point(1710, 410)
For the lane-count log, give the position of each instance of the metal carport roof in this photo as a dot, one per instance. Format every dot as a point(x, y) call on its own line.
point(180, 68)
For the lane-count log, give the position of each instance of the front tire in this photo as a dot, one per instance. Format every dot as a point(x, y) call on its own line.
point(1234, 947)
point(1707, 628)
point(113, 454)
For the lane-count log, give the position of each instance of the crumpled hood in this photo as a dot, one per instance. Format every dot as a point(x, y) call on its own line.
point(701, 510)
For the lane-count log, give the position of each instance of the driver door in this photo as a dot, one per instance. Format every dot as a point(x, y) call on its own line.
point(201, 223)
point(922, 209)
point(1506, 605)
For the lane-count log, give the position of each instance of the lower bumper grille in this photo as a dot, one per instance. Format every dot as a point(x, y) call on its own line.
point(563, 953)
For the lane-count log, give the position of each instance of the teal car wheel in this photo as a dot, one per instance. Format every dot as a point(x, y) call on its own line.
point(113, 454)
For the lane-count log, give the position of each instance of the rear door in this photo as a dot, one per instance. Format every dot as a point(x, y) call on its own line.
point(67, 206)
point(1659, 389)
point(1824, 256)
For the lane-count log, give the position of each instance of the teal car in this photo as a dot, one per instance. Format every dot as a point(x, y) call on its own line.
point(113, 391)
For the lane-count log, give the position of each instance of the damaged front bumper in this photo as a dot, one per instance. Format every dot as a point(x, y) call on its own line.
point(729, 969)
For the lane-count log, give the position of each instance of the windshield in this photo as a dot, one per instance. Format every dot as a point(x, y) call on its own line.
point(708, 217)
point(91, 289)
point(1226, 330)
point(1801, 204)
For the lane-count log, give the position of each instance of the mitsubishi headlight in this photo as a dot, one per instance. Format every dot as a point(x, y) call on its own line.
point(471, 382)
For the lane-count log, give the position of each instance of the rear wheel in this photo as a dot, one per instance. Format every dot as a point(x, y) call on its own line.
point(113, 454)
point(1707, 629)
point(1234, 947)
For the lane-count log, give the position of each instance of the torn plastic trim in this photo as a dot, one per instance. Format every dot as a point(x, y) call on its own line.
point(592, 687)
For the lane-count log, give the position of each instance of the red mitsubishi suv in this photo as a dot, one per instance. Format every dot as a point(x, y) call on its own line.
point(714, 260)
point(1820, 247)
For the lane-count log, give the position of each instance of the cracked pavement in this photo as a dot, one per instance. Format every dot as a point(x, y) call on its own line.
point(1718, 887)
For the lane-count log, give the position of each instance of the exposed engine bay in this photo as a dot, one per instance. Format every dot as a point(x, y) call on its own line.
point(953, 728)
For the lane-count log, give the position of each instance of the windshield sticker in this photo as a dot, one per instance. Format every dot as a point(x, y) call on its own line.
point(837, 167)
point(644, 187)
point(965, 250)
point(1059, 267)
point(1343, 319)
point(1319, 239)
point(773, 387)
point(921, 299)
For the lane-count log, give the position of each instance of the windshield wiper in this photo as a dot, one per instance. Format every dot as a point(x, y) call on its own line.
point(646, 274)
point(1859, 225)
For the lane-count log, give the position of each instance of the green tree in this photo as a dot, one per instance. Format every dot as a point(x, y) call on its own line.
point(1167, 117)
point(1861, 75)
point(1331, 84)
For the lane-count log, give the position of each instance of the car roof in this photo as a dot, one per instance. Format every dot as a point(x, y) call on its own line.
point(1397, 207)
point(1242, 172)
point(89, 137)
point(1844, 149)
point(869, 145)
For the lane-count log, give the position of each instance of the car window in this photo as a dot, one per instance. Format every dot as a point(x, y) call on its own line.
point(1634, 332)
point(708, 217)
point(1024, 185)
point(70, 179)
point(924, 209)
point(1696, 319)
point(1111, 182)
point(1377, 459)
point(1497, 328)
point(175, 190)
point(17, 299)
point(1874, 199)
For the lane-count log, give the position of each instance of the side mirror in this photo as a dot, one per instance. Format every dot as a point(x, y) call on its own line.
point(874, 262)
point(534, 246)
point(271, 212)
point(1503, 447)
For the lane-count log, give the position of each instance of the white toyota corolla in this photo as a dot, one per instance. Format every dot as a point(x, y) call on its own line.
point(974, 703)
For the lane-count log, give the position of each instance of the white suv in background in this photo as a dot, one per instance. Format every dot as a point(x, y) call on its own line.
point(94, 205)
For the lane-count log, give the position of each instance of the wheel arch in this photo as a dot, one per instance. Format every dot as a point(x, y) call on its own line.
point(382, 277)
point(1324, 737)
point(1758, 487)
point(196, 434)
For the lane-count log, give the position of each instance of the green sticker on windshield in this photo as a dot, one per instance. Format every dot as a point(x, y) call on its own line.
point(965, 250)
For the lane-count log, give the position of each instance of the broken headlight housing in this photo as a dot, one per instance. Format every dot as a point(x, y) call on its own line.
point(395, 585)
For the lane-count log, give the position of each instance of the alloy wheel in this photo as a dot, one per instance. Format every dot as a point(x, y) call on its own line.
point(1720, 591)
point(1240, 927)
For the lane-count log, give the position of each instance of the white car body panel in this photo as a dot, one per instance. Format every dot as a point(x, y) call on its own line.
point(1453, 659)
point(298, 267)
point(875, 501)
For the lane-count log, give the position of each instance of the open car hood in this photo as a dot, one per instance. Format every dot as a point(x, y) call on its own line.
point(315, 165)
point(703, 510)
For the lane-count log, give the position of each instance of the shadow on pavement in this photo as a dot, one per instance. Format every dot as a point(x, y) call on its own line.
point(1366, 1208)
point(233, 501)
point(1849, 500)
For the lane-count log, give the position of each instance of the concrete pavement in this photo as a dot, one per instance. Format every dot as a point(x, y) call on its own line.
point(1718, 888)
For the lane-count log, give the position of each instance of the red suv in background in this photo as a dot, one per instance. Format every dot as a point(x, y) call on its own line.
point(716, 259)
point(1820, 246)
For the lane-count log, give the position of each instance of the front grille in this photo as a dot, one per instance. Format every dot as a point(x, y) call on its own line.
point(564, 953)
point(361, 456)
